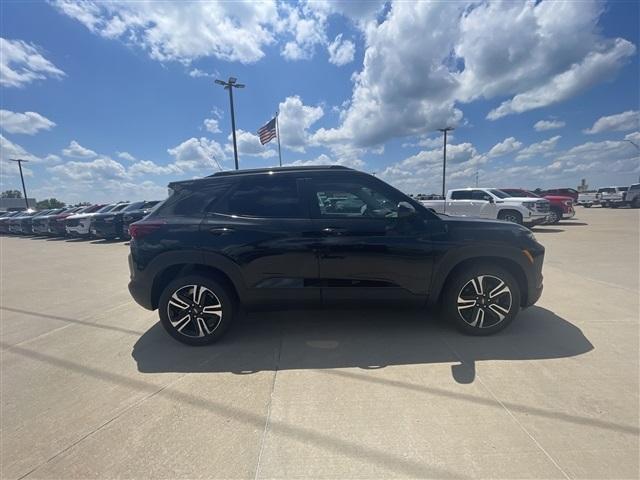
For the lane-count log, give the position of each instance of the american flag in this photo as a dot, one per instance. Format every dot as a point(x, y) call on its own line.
point(268, 131)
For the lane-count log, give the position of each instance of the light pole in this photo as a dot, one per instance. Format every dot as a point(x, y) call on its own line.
point(444, 157)
point(230, 85)
point(24, 189)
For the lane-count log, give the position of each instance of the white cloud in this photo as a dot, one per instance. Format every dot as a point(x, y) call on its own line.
point(294, 121)
point(147, 167)
point(629, 120)
point(197, 73)
point(94, 171)
point(307, 25)
point(183, 31)
point(198, 154)
point(249, 144)
point(9, 150)
point(211, 125)
point(508, 145)
point(537, 149)
point(28, 122)
point(22, 63)
point(76, 150)
point(324, 159)
point(544, 125)
point(341, 51)
point(126, 156)
point(596, 67)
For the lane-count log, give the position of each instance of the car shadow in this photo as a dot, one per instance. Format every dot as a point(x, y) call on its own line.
point(546, 230)
point(366, 339)
point(570, 223)
point(104, 241)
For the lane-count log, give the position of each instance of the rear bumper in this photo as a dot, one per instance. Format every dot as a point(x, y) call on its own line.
point(140, 287)
point(105, 230)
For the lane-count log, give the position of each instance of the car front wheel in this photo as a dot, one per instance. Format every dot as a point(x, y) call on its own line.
point(482, 299)
point(196, 310)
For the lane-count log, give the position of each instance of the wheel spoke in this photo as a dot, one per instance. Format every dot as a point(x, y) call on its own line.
point(478, 318)
point(202, 327)
point(499, 290)
point(213, 310)
point(464, 303)
point(181, 323)
point(500, 311)
point(178, 302)
point(477, 284)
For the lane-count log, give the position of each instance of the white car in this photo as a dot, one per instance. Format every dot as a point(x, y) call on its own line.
point(491, 203)
point(79, 225)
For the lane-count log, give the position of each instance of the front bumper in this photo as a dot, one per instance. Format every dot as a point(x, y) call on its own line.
point(537, 220)
point(569, 214)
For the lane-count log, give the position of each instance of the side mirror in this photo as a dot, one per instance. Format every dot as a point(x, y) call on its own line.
point(405, 209)
point(491, 200)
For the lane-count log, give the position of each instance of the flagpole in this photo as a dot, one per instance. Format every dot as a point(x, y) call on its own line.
point(278, 135)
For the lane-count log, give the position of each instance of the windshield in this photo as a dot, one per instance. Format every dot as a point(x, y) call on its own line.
point(623, 189)
point(106, 208)
point(134, 206)
point(607, 190)
point(117, 208)
point(499, 193)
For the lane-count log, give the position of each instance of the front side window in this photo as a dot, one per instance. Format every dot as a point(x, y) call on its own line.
point(266, 196)
point(480, 195)
point(339, 199)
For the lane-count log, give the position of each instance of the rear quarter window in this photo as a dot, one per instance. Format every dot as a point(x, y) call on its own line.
point(189, 202)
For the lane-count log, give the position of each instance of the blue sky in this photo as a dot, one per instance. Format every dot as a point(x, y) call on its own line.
point(109, 100)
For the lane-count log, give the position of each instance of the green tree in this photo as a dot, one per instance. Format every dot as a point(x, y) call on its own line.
point(49, 203)
point(12, 194)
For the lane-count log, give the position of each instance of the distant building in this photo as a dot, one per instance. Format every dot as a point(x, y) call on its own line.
point(11, 204)
point(583, 187)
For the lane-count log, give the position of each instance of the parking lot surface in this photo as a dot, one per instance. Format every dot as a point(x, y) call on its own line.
point(92, 387)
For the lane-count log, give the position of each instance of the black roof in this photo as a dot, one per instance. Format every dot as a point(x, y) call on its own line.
point(258, 171)
point(279, 169)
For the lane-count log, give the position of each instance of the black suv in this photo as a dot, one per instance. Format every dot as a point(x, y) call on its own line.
point(308, 235)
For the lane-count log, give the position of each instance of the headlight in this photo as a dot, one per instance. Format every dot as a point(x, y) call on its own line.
point(529, 205)
point(568, 203)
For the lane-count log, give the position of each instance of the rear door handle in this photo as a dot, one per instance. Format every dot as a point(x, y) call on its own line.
point(221, 230)
point(333, 231)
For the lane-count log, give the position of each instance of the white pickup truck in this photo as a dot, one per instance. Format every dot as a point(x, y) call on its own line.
point(613, 197)
point(491, 203)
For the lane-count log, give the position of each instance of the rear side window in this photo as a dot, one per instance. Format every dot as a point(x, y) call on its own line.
point(461, 195)
point(265, 196)
point(186, 202)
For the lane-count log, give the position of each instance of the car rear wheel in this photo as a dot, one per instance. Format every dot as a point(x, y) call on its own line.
point(196, 310)
point(510, 216)
point(482, 299)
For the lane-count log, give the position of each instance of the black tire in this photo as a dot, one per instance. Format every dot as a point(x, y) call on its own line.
point(510, 216)
point(196, 332)
point(636, 202)
point(461, 286)
point(587, 205)
point(555, 215)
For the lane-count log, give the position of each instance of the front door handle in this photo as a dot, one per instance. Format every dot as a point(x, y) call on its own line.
point(220, 230)
point(333, 231)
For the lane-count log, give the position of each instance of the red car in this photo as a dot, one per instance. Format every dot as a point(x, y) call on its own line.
point(561, 206)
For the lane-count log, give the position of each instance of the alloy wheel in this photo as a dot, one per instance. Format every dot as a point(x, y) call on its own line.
point(484, 301)
point(194, 311)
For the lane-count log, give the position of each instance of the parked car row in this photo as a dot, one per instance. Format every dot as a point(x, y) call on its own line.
point(102, 221)
point(522, 207)
point(612, 197)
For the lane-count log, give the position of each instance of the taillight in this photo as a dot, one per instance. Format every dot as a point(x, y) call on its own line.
point(139, 230)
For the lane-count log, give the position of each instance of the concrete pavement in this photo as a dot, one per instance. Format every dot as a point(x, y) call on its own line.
point(92, 387)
